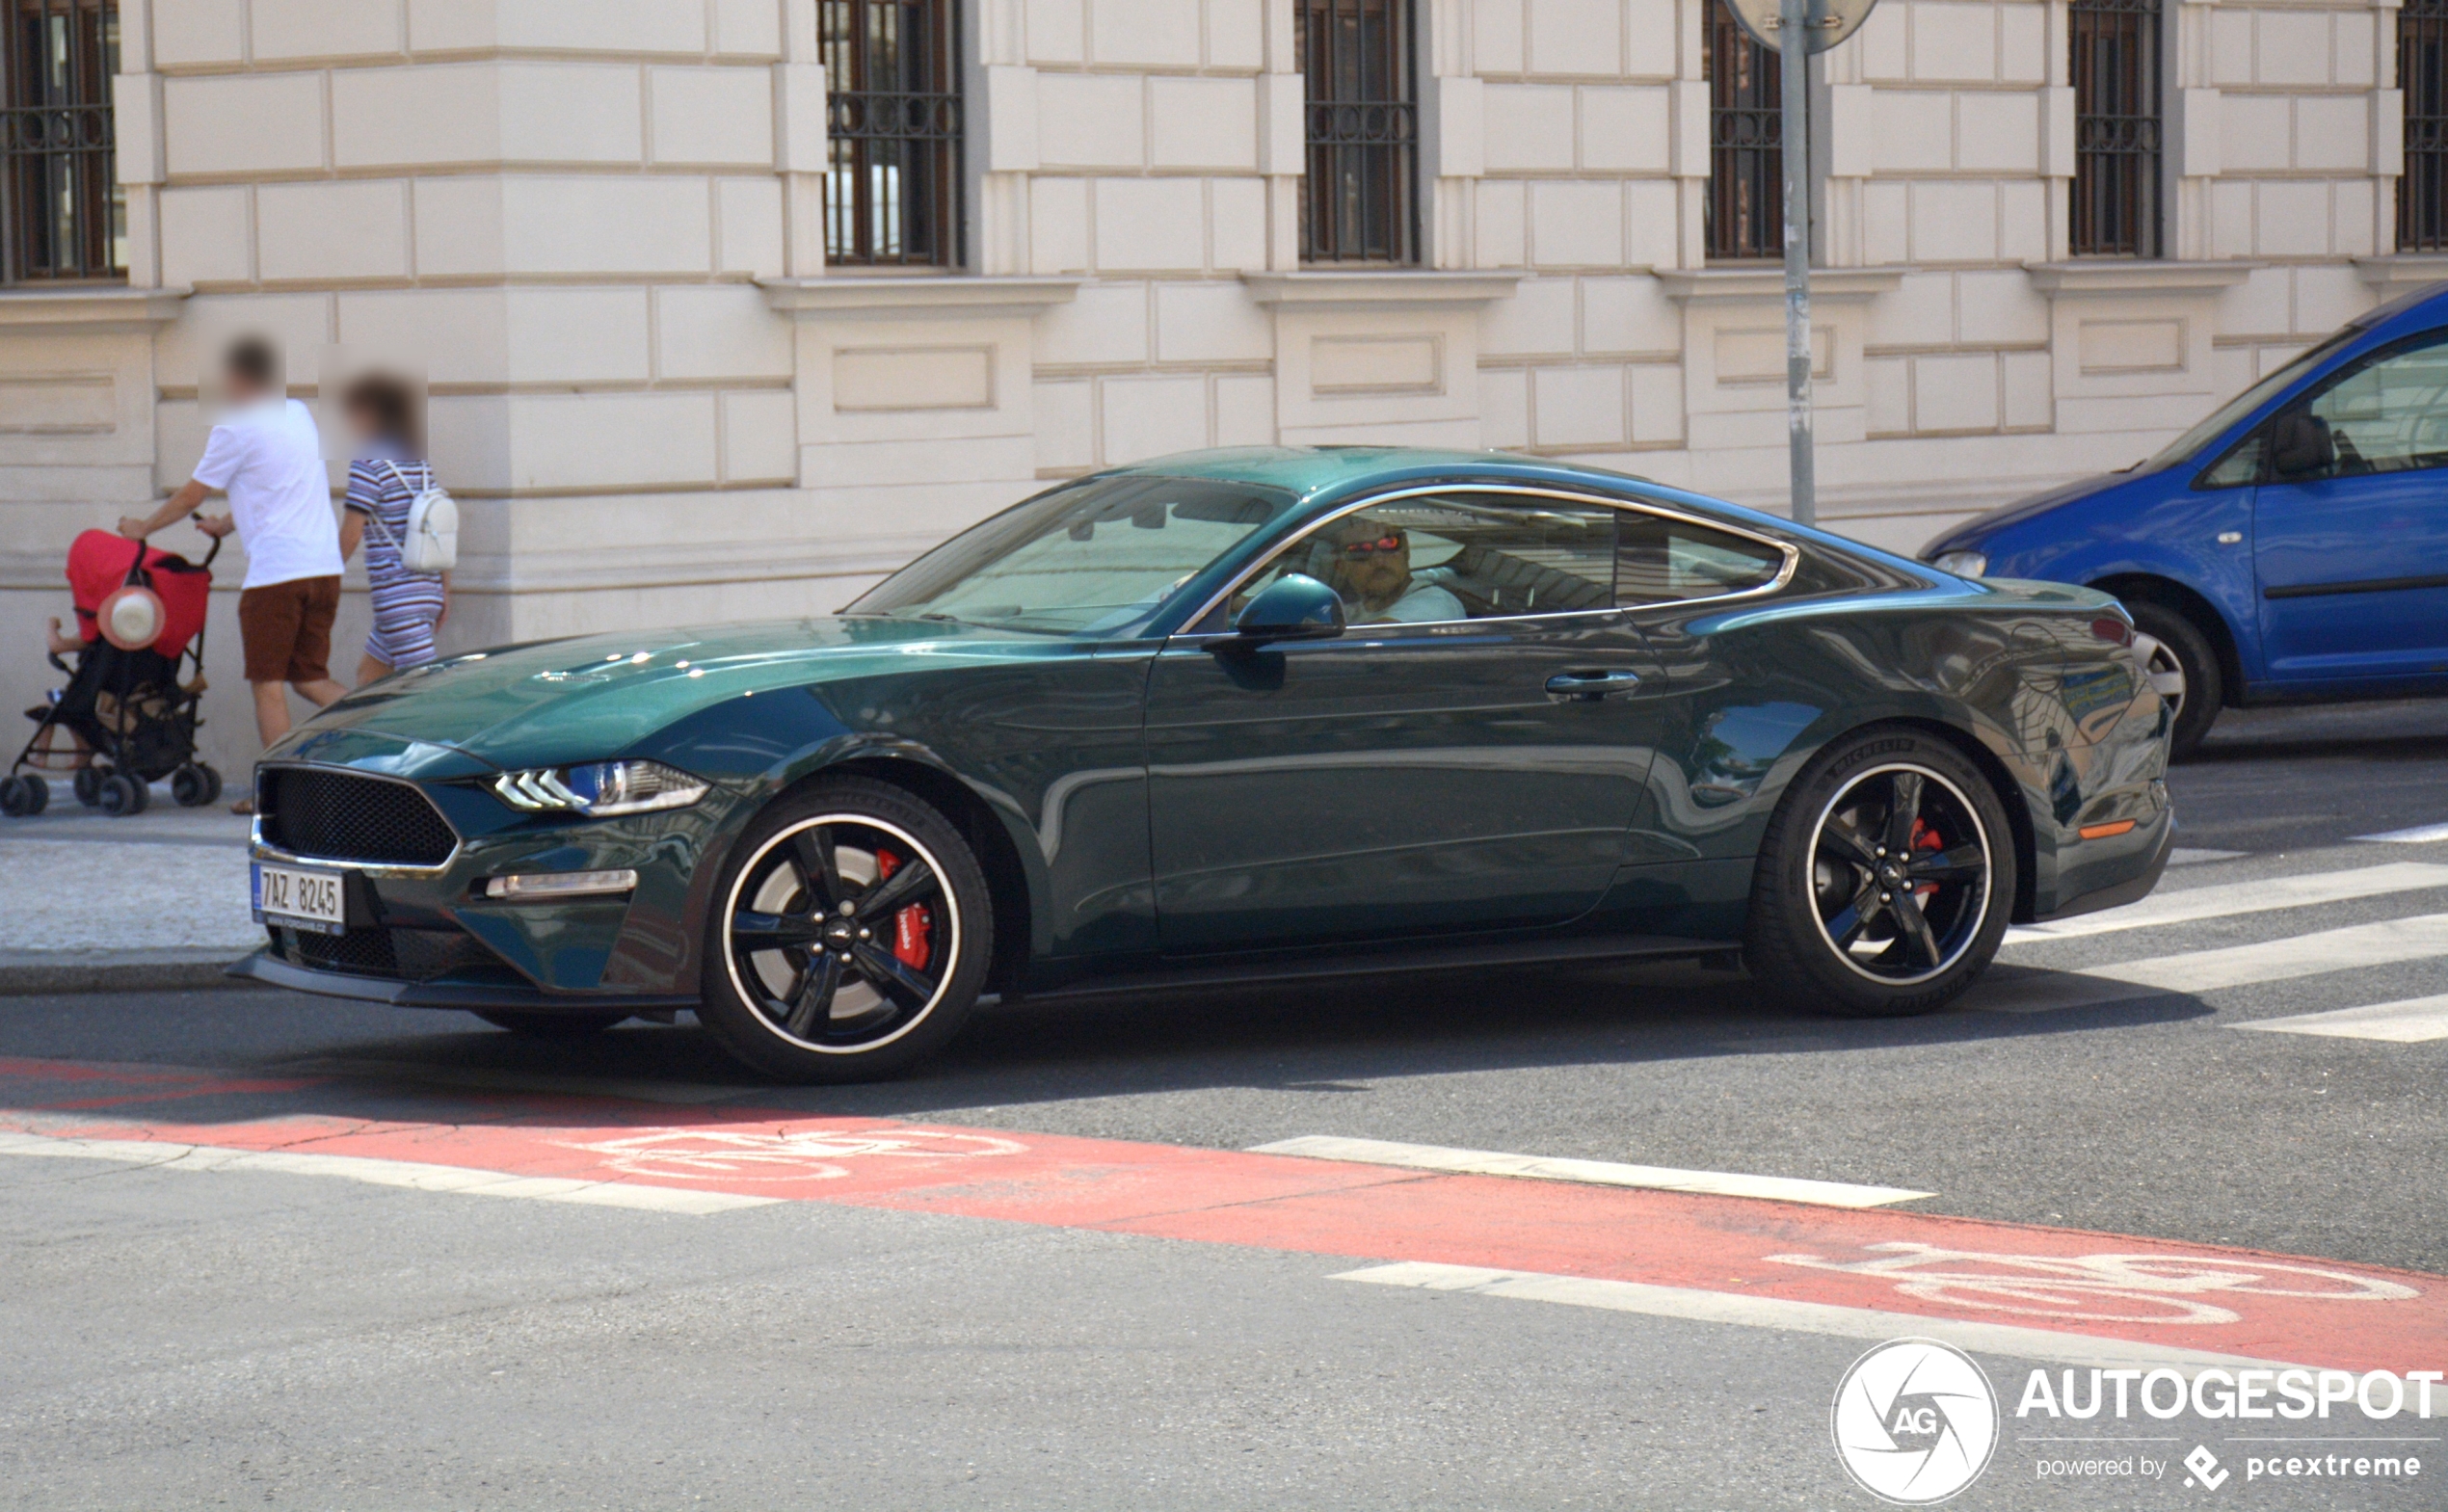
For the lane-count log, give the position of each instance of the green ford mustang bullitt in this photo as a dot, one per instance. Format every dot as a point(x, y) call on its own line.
point(1237, 716)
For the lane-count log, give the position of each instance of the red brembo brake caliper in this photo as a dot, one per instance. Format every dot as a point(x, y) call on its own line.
point(1926, 838)
point(912, 928)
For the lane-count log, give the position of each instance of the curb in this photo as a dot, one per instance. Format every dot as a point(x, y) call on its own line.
point(40, 973)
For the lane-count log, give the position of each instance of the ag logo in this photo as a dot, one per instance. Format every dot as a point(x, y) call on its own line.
point(1915, 1422)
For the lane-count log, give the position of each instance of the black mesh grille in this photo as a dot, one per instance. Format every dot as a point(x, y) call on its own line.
point(341, 816)
point(362, 952)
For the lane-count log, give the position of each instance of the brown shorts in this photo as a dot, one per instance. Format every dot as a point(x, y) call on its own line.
point(287, 629)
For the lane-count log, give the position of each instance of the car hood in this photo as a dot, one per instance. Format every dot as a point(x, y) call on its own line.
point(552, 702)
point(1968, 535)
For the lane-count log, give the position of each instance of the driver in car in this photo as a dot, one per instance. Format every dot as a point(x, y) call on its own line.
point(1370, 566)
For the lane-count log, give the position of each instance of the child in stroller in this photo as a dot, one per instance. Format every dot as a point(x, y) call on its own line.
point(125, 718)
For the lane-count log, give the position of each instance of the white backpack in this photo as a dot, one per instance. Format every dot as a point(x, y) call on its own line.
point(432, 526)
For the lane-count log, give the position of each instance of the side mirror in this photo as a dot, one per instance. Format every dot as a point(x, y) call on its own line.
point(1292, 608)
point(2300, 445)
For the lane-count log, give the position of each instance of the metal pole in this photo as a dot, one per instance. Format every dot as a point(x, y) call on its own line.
point(1793, 38)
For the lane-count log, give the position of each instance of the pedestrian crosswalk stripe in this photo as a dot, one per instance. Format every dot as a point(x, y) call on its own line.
point(2412, 1021)
point(2420, 835)
point(1596, 1173)
point(2242, 897)
point(2414, 938)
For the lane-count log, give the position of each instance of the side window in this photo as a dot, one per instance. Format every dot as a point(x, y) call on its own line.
point(1663, 561)
point(2389, 416)
point(1459, 556)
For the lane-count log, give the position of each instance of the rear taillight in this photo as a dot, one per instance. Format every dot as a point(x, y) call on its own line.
point(2112, 630)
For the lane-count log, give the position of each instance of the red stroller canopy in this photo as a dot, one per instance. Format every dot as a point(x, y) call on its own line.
point(98, 564)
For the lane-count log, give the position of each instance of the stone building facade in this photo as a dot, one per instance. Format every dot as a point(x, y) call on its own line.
point(713, 332)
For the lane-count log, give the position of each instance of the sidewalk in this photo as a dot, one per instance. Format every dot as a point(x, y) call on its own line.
point(91, 903)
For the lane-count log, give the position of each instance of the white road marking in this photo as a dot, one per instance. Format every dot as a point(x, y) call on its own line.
point(2410, 1021)
point(2420, 835)
point(2186, 855)
point(411, 1174)
point(1802, 1318)
point(2391, 940)
point(1596, 1173)
point(2228, 899)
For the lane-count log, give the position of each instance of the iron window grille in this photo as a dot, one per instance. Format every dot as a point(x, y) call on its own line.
point(2117, 128)
point(1359, 200)
point(1745, 212)
point(2422, 72)
point(62, 211)
point(893, 181)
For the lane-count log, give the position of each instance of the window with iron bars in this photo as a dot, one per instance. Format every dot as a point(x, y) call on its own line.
point(1359, 203)
point(2422, 72)
point(63, 215)
point(2117, 128)
point(893, 180)
point(1745, 211)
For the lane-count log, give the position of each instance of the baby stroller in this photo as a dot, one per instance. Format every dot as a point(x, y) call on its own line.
point(125, 718)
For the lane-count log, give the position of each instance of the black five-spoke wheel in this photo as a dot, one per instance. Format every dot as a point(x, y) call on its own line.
point(848, 938)
point(1900, 869)
point(1886, 879)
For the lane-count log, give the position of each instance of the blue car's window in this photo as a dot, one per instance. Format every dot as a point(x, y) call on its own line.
point(2224, 418)
point(1099, 558)
point(2390, 414)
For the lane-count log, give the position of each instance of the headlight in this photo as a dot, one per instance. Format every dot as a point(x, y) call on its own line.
point(598, 789)
point(1962, 564)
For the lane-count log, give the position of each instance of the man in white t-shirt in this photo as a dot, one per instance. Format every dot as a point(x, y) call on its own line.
point(267, 455)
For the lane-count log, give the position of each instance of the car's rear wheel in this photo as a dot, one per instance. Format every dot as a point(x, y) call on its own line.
point(849, 936)
point(1886, 879)
point(2184, 670)
point(551, 1025)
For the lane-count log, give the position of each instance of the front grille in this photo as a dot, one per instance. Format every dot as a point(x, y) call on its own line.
point(360, 952)
point(342, 816)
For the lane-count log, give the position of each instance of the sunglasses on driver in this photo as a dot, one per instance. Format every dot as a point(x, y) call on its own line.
point(1392, 541)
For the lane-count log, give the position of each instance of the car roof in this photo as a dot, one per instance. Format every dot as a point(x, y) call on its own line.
point(2424, 307)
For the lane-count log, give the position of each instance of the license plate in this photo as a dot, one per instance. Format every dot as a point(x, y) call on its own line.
point(316, 901)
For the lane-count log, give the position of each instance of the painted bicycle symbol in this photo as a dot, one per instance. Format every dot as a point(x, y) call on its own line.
point(687, 1154)
point(2114, 1288)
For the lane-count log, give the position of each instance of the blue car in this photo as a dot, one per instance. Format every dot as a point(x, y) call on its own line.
point(2291, 547)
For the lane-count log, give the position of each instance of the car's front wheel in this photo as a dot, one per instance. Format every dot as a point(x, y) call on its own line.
point(849, 935)
point(2183, 669)
point(1886, 879)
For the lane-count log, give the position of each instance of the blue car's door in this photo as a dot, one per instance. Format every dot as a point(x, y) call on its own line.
point(2351, 547)
point(1468, 755)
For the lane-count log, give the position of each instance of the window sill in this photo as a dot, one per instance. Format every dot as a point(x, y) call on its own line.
point(1391, 289)
point(936, 296)
point(1752, 282)
point(2137, 276)
point(88, 307)
point(2403, 270)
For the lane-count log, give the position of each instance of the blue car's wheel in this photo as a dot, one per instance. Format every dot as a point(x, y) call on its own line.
point(849, 936)
point(1886, 880)
point(2183, 669)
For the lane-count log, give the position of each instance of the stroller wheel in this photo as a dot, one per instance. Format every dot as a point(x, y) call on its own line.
point(192, 786)
point(23, 797)
point(123, 795)
point(89, 784)
point(212, 782)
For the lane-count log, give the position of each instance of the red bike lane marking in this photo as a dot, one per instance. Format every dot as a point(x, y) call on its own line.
point(2142, 1290)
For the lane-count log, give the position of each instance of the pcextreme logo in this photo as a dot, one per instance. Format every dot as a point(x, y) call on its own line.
point(1915, 1422)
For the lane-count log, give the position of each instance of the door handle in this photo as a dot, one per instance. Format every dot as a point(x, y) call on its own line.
point(1591, 686)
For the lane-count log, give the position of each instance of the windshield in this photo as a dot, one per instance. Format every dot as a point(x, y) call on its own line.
point(1099, 558)
point(2245, 403)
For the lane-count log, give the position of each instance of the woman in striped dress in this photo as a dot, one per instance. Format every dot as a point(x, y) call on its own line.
point(388, 473)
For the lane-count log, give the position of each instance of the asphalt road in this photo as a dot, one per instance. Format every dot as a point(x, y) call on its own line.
point(181, 1337)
